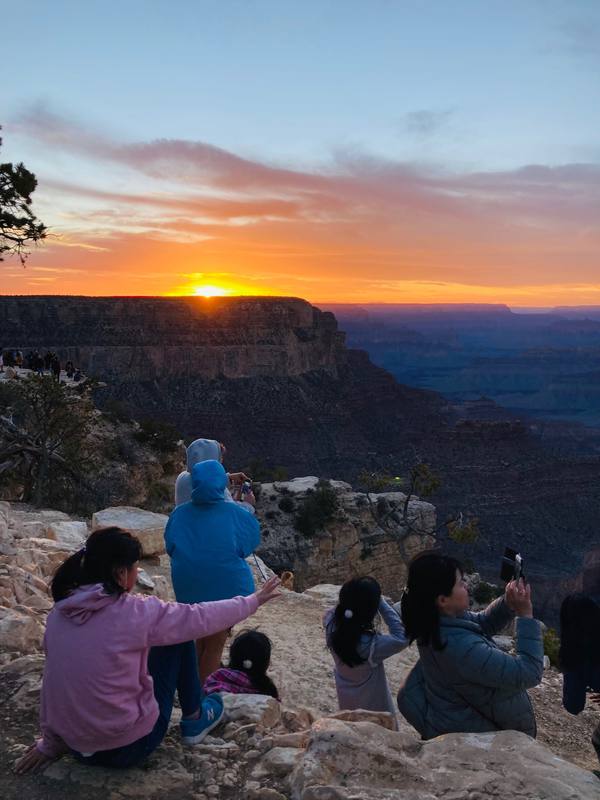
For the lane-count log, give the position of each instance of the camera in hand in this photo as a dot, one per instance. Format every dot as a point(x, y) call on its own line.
point(511, 568)
point(245, 488)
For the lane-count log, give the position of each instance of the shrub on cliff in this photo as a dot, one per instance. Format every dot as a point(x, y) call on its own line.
point(552, 645)
point(316, 510)
point(44, 445)
point(160, 436)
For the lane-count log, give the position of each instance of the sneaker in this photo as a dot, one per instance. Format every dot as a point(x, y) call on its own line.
point(194, 730)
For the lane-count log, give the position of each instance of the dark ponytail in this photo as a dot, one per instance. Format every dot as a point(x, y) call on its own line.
point(105, 551)
point(254, 648)
point(429, 576)
point(354, 616)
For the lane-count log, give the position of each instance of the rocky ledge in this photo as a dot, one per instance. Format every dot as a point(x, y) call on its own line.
point(300, 749)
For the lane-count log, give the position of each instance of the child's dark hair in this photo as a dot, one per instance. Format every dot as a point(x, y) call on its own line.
point(579, 632)
point(429, 576)
point(105, 551)
point(354, 616)
point(253, 648)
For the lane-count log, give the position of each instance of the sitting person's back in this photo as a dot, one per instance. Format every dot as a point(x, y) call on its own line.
point(358, 649)
point(579, 654)
point(463, 682)
point(249, 660)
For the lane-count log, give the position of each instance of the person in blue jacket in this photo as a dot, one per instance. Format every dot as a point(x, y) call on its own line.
point(579, 655)
point(208, 540)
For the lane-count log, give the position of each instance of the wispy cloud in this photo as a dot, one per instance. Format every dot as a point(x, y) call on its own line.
point(581, 37)
point(425, 123)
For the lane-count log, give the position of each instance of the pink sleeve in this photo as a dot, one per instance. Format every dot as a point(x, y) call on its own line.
point(171, 623)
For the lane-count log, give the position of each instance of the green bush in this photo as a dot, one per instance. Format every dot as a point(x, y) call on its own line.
point(316, 510)
point(161, 436)
point(551, 645)
point(116, 411)
point(286, 504)
point(484, 593)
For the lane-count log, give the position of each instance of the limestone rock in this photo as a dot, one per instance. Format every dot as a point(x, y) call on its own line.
point(69, 533)
point(347, 760)
point(162, 587)
point(144, 580)
point(261, 709)
point(383, 718)
point(309, 482)
point(278, 762)
point(146, 525)
point(360, 535)
point(19, 631)
point(326, 593)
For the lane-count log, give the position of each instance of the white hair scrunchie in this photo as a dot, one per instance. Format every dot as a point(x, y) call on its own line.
point(247, 664)
point(348, 613)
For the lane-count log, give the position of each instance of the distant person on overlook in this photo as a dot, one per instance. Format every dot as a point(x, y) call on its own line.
point(463, 682)
point(208, 540)
point(55, 366)
point(204, 450)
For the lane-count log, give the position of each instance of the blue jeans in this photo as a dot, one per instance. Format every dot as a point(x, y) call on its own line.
point(172, 668)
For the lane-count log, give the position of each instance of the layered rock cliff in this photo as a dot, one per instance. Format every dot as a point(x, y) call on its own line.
point(272, 379)
point(138, 339)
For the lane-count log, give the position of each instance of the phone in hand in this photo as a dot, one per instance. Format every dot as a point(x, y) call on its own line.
point(511, 567)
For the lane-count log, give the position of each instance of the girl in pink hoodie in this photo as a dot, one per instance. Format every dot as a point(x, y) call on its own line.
point(114, 659)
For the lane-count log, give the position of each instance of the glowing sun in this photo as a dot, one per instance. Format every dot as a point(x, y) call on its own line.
point(211, 291)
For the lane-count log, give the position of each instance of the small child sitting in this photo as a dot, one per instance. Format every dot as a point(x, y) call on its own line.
point(358, 649)
point(249, 660)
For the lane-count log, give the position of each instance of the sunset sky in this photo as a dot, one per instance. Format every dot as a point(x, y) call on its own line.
point(376, 151)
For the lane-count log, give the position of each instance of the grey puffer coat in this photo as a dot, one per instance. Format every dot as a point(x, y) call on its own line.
point(471, 685)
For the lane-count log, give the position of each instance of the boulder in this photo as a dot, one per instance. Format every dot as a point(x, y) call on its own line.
point(19, 631)
point(325, 593)
point(260, 709)
point(348, 760)
point(278, 762)
point(146, 525)
point(70, 533)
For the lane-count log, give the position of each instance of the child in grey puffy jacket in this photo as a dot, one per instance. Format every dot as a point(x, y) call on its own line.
point(358, 649)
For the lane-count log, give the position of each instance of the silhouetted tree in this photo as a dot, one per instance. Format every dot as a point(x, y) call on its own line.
point(19, 228)
point(422, 482)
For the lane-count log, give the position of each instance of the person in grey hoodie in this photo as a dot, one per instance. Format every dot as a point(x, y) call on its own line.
point(208, 450)
point(463, 682)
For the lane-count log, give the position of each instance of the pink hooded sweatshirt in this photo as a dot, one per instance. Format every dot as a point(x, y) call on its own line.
point(97, 693)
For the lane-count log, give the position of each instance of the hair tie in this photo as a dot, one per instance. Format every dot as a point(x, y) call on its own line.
point(247, 664)
point(348, 613)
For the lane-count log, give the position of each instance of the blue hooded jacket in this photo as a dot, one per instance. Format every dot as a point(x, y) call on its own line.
point(208, 540)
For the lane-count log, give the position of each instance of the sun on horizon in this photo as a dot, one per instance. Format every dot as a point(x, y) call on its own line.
point(208, 290)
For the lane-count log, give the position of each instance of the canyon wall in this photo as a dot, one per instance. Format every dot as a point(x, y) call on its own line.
point(148, 338)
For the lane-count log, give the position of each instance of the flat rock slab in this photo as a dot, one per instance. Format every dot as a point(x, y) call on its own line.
point(146, 525)
point(348, 760)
